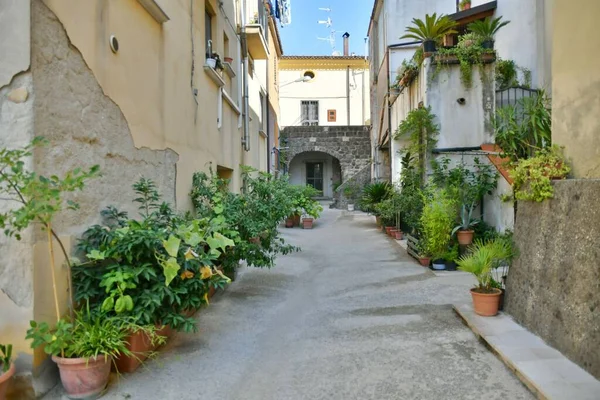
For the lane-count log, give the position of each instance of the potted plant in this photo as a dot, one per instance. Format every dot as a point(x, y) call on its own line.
point(350, 192)
point(423, 256)
point(7, 368)
point(228, 60)
point(484, 257)
point(487, 29)
point(213, 60)
point(464, 5)
point(430, 31)
point(450, 258)
point(464, 232)
point(373, 194)
point(83, 348)
point(436, 223)
point(532, 177)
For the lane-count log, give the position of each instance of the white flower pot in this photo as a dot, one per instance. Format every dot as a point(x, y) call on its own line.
point(350, 207)
point(211, 62)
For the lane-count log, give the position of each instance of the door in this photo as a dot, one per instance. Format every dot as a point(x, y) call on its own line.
point(314, 175)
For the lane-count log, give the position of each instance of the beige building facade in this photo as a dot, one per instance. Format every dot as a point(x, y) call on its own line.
point(127, 85)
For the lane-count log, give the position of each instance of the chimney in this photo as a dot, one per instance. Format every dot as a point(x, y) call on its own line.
point(346, 37)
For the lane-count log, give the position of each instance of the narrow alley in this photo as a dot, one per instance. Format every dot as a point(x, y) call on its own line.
point(351, 316)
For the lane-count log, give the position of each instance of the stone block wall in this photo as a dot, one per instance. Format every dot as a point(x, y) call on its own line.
point(350, 145)
point(553, 287)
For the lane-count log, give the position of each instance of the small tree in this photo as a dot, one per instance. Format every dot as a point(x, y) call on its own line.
point(37, 200)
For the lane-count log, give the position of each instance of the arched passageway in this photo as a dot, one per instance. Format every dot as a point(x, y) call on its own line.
point(318, 169)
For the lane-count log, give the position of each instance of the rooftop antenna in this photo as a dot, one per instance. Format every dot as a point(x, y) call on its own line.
point(328, 24)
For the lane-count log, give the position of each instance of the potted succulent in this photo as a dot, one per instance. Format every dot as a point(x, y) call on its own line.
point(532, 177)
point(7, 368)
point(464, 232)
point(481, 261)
point(464, 5)
point(486, 29)
point(431, 31)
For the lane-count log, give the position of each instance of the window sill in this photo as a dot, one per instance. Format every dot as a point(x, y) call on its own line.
point(230, 101)
point(229, 70)
point(154, 10)
point(262, 133)
point(214, 75)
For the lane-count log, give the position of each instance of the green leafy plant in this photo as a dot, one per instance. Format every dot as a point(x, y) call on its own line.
point(351, 190)
point(420, 129)
point(484, 257)
point(506, 74)
point(533, 177)
point(487, 28)
point(88, 335)
point(464, 3)
point(469, 53)
point(439, 214)
point(5, 356)
point(374, 193)
point(433, 28)
point(38, 199)
point(525, 127)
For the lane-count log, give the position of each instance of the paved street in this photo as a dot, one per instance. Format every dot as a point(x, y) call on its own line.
point(349, 317)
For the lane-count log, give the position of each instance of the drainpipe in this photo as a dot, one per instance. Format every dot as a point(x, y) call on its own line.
point(246, 103)
point(392, 153)
point(346, 37)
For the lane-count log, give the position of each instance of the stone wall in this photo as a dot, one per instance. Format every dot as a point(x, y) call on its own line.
point(553, 287)
point(349, 144)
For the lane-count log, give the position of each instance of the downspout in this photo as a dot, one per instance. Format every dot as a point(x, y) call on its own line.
point(268, 110)
point(246, 103)
point(348, 93)
point(387, 91)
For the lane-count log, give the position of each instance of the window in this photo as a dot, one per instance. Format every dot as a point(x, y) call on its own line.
point(309, 75)
point(225, 46)
point(263, 113)
point(251, 67)
point(331, 115)
point(208, 37)
point(310, 112)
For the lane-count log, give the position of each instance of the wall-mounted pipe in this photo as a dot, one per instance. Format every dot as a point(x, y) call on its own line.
point(245, 75)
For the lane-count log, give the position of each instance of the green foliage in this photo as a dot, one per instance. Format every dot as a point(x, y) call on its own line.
point(532, 177)
point(411, 196)
point(406, 72)
point(153, 270)
point(88, 335)
point(484, 257)
point(524, 127)
point(463, 4)
point(374, 193)
point(487, 28)
point(467, 185)
point(5, 356)
point(351, 191)
point(433, 28)
point(37, 198)
point(506, 74)
point(437, 219)
point(420, 129)
point(469, 52)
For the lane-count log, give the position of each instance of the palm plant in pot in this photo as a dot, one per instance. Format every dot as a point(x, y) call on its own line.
point(431, 31)
point(7, 368)
point(481, 261)
point(486, 29)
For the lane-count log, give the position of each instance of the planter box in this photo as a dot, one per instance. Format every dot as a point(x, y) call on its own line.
point(307, 223)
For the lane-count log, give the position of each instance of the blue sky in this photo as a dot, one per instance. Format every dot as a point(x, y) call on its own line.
point(300, 37)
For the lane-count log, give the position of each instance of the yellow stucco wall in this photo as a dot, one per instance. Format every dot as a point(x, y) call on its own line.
point(150, 78)
point(576, 85)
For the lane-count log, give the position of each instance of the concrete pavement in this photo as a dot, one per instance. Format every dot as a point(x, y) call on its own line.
point(349, 317)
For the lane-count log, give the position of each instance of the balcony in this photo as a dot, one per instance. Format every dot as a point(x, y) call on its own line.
point(257, 29)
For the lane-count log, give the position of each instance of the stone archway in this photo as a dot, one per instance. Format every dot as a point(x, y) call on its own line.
point(350, 145)
point(318, 169)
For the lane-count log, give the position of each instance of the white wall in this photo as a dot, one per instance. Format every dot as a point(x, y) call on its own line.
point(329, 88)
point(297, 170)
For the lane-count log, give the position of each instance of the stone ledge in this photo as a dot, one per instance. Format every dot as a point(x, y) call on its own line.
point(544, 370)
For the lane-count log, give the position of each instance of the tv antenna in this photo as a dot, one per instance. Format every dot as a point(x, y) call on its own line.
point(328, 24)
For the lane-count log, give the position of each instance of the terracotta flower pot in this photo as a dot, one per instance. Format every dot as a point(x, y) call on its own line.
point(425, 261)
point(140, 345)
point(465, 237)
point(393, 232)
point(486, 304)
point(388, 229)
point(83, 378)
point(228, 60)
point(398, 235)
point(307, 223)
point(5, 380)
point(289, 222)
